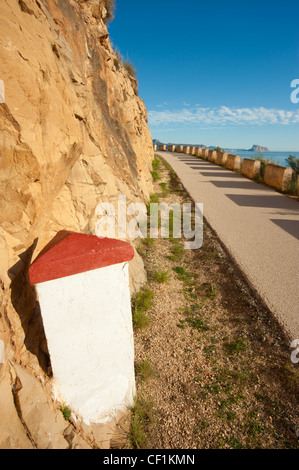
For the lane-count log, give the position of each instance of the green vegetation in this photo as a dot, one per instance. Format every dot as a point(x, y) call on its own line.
point(264, 161)
point(160, 276)
point(154, 199)
point(208, 290)
point(177, 250)
point(119, 61)
point(181, 272)
point(144, 370)
point(155, 175)
point(140, 304)
point(193, 319)
point(235, 347)
point(155, 163)
point(216, 327)
point(293, 162)
point(66, 412)
point(142, 417)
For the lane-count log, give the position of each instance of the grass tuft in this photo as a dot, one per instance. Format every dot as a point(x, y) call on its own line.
point(160, 276)
point(140, 304)
point(142, 418)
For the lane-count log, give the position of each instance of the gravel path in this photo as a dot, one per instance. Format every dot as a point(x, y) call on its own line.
point(220, 373)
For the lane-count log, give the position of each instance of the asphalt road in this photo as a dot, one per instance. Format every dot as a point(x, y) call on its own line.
point(258, 226)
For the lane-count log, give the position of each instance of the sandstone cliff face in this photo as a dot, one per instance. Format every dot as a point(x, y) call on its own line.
point(73, 133)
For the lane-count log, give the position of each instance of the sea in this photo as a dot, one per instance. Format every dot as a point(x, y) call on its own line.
point(275, 157)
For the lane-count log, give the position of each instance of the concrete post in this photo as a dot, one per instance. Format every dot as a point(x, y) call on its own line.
point(221, 158)
point(277, 176)
point(205, 153)
point(233, 162)
point(251, 168)
point(212, 156)
point(82, 283)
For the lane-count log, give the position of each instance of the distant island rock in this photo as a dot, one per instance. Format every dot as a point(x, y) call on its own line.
point(258, 148)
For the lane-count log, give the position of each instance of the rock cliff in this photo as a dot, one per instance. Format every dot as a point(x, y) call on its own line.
point(258, 148)
point(73, 133)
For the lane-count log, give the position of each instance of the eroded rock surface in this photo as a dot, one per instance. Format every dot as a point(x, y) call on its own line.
point(73, 133)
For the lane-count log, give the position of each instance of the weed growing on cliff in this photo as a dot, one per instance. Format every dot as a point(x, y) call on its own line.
point(66, 412)
point(130, 68)
point(110, 7)
point(117, 59)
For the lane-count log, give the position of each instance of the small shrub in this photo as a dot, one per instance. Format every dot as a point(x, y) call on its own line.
point(155, 163)
point(110, 7)
point(181, 272)
point(144, 370)
point(235, 347)
point(264, 163)
point(140, 304)
point(154, 198)
point(117, 59)
point(148, 242)
point(155, 175)
point(130, 68)
point(177, 250)
point(66, 412)
point(293, 163)
point(160, 276)
point(142, 418)
point(208, 289)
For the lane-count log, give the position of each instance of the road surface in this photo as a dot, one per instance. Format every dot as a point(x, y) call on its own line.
point(258, 226)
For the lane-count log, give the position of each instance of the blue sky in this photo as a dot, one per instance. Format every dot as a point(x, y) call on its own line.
point(214, 73)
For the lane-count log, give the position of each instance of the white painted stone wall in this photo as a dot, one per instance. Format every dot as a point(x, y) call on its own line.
point(88, 324)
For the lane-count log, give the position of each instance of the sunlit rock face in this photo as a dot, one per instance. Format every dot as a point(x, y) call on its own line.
point(73, 133)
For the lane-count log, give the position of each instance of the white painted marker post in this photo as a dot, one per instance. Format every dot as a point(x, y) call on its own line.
point(82, 283)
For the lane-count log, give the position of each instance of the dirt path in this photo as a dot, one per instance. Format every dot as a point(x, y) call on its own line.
point(213, 369)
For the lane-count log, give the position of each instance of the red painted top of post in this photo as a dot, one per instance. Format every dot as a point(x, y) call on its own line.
point(73, 253)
